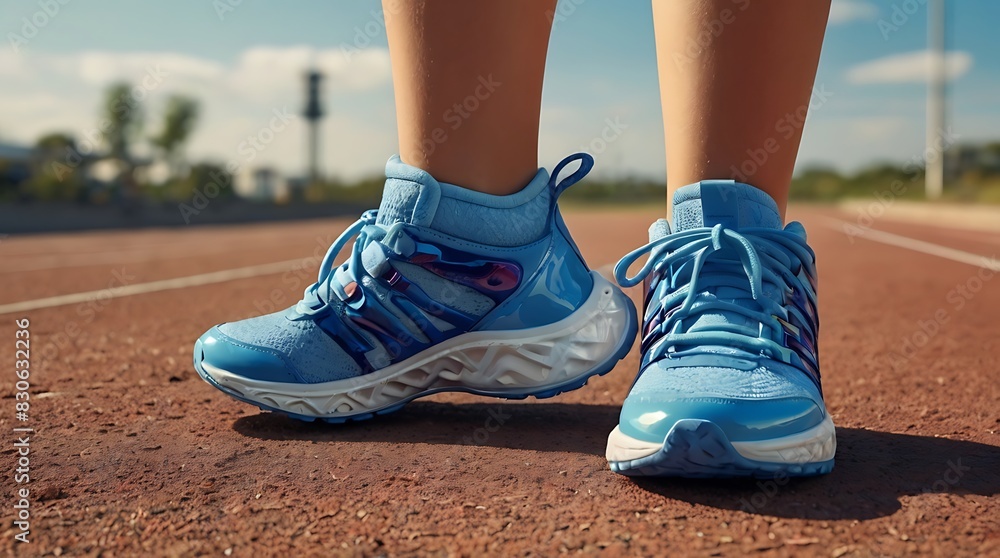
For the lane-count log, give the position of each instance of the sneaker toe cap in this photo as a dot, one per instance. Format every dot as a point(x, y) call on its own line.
point(256, 346)
point(762, 403)
point(217, 351)
point(740, 419)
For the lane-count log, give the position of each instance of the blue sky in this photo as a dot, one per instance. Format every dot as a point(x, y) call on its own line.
point(246, 63)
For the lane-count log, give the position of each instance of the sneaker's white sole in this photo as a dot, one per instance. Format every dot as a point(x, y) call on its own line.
point(541, 361)
point(816, 444)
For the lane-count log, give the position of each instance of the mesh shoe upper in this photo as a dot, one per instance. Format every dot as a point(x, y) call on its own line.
point(730, 322)
point(406, 285)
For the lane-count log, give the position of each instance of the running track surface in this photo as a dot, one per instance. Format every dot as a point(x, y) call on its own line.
point(133, 453)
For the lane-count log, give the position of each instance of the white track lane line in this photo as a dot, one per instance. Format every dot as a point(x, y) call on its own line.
point(64, 261)
point(986, 262)
point(177, 283)
point(154, 286)
point(135, 254)
point(279, 267)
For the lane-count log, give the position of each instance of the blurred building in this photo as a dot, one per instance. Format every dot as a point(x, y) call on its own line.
point(23, 169)
point(265, 184)
point(964, 159)
point(15, 165)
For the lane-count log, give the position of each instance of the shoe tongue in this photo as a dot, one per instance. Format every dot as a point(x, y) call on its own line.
point(732, 204)
point(410, 195)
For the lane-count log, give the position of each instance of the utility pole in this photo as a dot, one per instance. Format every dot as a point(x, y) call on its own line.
point(934, 171)
point(313, 113)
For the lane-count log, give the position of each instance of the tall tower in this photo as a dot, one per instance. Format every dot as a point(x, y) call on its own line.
point(313, 113)
point(934, 171)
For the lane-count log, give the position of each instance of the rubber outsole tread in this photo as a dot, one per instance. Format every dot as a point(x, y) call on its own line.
point(700, 449)
point(577, 383)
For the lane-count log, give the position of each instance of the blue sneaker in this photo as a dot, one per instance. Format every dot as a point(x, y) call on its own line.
point(422, 305)
point(729, 380)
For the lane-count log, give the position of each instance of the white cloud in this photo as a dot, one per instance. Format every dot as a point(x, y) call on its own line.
point(846, 11)
point(855, 142)
point(46, 92)
point(877, 128)
point(10, 63)
point(908, 67)
point(101, 68)
point(266, 72)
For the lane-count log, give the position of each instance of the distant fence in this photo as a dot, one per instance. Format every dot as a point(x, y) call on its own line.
point(31, 218)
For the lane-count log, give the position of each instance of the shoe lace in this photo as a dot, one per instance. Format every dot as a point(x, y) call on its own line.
point(332, 281)
point(764, 256)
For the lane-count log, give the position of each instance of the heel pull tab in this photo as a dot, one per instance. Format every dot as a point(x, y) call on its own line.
point(586, 164)
point(720, 203)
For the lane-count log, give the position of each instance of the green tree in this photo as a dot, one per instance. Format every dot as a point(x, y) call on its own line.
point(57, 172)
point(205, 179)
point(817, 183)
point(123, 117)
point(121, 125)
point(178, 122)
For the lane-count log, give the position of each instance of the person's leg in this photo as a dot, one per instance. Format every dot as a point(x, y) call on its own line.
point(468, 85)
point(731, 74)
point(729, 380)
